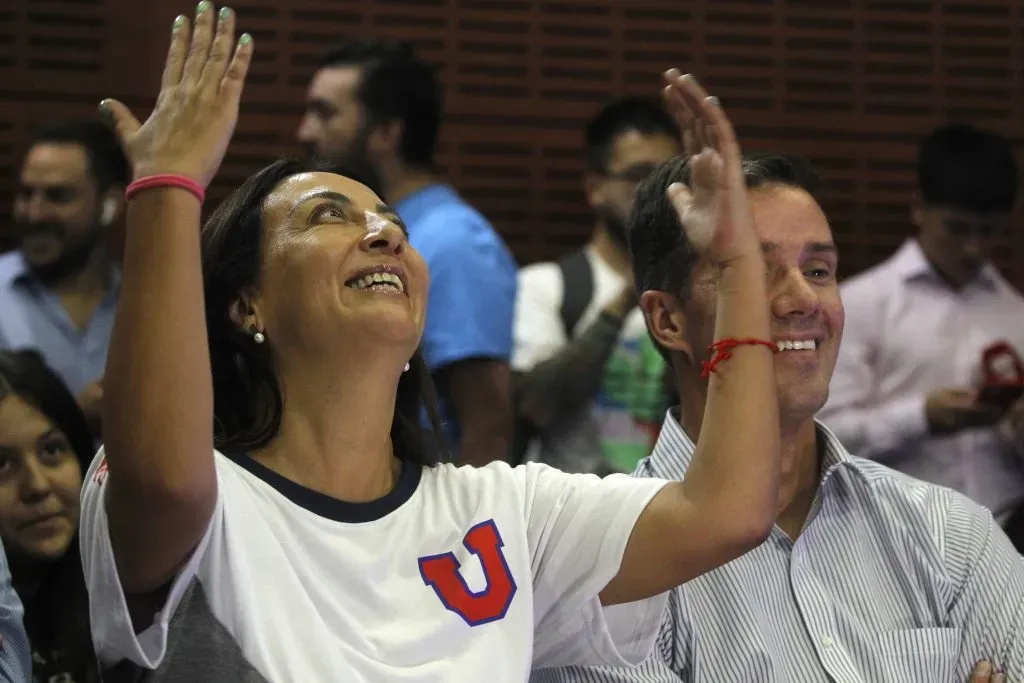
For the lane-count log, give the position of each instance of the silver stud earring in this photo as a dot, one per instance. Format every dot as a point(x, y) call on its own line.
point(406, 368)
point(258, 337)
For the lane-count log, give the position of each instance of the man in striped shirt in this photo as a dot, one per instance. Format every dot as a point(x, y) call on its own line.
point(869, 576)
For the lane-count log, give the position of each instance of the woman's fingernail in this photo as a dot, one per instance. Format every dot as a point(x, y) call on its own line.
point(105, 112)
point(203, 6)
point(179, 21)
point(225, 13)
point(245, 39)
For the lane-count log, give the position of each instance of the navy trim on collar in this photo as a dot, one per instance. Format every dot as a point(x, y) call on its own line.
point(331, 508)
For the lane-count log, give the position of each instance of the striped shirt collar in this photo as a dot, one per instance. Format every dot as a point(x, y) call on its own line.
point(674, 450)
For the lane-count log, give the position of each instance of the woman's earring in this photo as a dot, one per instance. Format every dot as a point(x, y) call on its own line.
point(406, 368)
point(258, 337)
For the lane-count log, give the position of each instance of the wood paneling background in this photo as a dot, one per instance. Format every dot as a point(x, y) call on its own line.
point(852, 84)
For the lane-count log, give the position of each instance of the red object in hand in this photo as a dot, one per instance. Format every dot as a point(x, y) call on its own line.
point(720, 351)
point(1004, 375)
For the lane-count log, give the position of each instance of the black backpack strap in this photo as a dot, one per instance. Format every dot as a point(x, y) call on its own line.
point(577, 288)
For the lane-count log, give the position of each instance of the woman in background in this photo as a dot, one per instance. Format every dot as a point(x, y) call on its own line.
point(45, 447)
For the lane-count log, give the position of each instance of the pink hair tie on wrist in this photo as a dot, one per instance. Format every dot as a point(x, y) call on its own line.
point(165, 180)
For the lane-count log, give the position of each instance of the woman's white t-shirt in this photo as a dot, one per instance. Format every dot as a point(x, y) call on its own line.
point(459, 574)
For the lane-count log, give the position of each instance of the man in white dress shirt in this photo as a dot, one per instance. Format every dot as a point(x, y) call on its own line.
point(869, 576)
point(905, 389)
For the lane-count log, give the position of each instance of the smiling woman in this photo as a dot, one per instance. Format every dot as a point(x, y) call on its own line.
point(267, 506)
point(303, 255)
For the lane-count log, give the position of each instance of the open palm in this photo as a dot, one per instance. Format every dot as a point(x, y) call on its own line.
point(715, 209)
point(190, 128)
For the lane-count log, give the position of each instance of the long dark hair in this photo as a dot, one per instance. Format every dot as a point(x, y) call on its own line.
point(58, 616)
point(246, 392)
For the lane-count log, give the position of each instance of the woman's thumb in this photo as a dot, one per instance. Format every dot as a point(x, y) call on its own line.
point(124, 123)
point(681, 198)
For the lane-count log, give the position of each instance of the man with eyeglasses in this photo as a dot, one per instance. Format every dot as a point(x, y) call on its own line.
point(591, 388)
point(907, 389)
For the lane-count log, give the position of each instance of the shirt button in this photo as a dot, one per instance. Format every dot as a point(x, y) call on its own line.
point(827, 642)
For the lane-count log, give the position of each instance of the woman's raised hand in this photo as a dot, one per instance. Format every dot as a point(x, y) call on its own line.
point(195, 114)
point(715, 209)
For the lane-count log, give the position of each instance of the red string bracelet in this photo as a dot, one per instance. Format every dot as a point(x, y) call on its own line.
point(165, 180)
point(721, 352)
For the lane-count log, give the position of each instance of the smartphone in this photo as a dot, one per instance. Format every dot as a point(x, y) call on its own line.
point(1001, 395)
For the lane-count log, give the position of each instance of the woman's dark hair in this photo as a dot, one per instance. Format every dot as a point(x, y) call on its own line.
point(25, 374)
point(246, 393)
point(57, 615)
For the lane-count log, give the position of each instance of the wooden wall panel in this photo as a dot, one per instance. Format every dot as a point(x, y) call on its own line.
point(852, 84)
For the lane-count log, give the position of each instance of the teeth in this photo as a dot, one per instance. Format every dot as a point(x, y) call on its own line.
point(378, 279)
point(790, 345)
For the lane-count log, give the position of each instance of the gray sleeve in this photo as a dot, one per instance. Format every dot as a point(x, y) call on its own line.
point(562, 384)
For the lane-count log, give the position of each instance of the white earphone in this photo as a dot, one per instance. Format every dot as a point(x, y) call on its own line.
point(108, 211)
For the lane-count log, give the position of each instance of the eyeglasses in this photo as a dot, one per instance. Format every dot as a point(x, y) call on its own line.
point(633, 174)
point(976, 227)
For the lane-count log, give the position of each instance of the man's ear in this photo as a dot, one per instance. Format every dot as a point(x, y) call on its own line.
point(917, 211)
point(386, 138)
point(666, 321)
point(593, 189)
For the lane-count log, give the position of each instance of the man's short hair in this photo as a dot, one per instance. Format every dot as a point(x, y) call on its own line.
point(395, 86)
point(644, 115)
point(966, 168)
point(663, 258)
point(108, 164)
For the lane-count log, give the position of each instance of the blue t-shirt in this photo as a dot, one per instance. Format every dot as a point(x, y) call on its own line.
point(472, 282)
